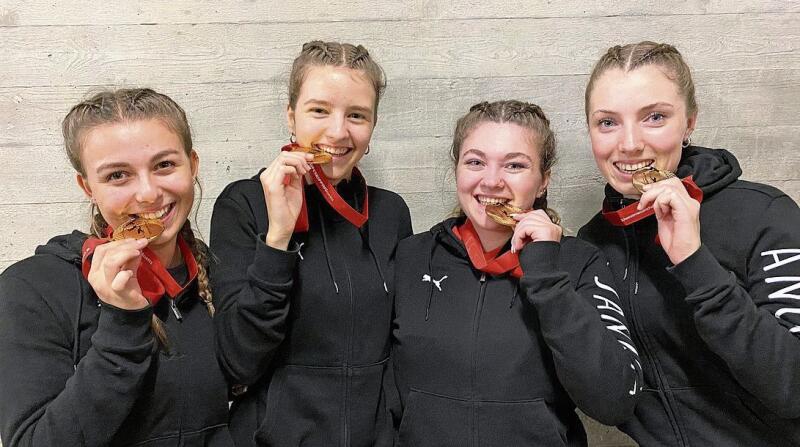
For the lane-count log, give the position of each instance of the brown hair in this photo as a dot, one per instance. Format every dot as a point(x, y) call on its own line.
point(527, 115)
point(632, 56)
point(318, 54)
point(128, 105)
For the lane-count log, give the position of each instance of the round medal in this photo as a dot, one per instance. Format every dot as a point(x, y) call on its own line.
point(648, 175)
point(138, 228)
point(320, 157)
point(502, 214)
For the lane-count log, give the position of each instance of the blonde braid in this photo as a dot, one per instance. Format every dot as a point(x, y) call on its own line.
point(200, 253)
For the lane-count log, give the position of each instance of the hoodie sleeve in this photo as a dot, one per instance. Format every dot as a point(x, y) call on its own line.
point(46, 400)
point(584, 326)
point(252, 283)
point(754, 324)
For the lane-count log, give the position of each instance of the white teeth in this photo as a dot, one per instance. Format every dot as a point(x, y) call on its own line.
point(491, 200)
point(631, 167)
point(156, 215)
point(334, 150)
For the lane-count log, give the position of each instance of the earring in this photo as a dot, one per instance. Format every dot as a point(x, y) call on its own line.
point(367, 151)
point(292, 138)
point(687, 142)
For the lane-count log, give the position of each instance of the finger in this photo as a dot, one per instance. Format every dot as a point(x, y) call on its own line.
point(295, 159)
point(119, 259)
point(120, 281)
point(282, 178)
point(664, 204)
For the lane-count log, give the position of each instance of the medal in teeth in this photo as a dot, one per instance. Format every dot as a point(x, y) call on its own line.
point(648, 175)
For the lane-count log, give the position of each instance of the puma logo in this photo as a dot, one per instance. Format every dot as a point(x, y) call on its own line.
point(437, 283)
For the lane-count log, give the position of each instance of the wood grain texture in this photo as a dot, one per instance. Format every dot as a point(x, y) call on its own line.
point(95, 12)
point(248, 52)
point(411, 107)
point(227, 63)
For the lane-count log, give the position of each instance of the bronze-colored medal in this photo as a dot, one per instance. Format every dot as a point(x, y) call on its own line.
point(320, 157)
point(648, 175)
point(502, 214)
point(138, 228)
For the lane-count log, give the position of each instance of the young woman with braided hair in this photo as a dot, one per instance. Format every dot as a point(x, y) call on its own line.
point(110, 342)
point(709, 280)
point(305, 257)
point(502, 329)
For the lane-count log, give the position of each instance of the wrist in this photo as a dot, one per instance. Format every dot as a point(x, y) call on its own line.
point(278, 240)
point(684, 254)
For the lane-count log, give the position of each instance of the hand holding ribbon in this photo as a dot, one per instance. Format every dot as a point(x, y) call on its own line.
point(284, 199)
point(677, 212)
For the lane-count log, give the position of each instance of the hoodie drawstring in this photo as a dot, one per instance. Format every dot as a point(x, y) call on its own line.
point(514, 296)
point(364, 231)
point(430, 272)
point(325, 249)
point(76, 334)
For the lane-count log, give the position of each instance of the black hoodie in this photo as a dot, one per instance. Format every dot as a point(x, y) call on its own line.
point(718, 333)
point(78, 373)
point(307, 330)
point(496, 361)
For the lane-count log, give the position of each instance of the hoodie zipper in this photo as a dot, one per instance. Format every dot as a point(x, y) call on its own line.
point(348, 369)
point(473, 377)
point(632, 277)
point(175, 310)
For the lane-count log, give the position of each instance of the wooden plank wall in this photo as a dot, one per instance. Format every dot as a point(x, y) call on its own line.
point(227, 63)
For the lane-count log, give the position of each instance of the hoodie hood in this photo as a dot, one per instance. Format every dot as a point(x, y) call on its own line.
point(67, 247)
point(444, 236)
point(711, 169)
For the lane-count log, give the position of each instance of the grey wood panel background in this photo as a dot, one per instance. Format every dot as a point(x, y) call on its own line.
point(227, 63)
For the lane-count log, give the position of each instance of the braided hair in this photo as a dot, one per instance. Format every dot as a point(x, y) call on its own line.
point(527, 115)
point(632, 56)
point(334, 54)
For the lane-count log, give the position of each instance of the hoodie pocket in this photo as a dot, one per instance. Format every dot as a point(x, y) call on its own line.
point(528, 422)
point(321, 405)
point(430, 419)
point(436, 420)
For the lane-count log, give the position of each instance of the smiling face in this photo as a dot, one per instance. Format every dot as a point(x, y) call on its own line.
point(498, 163)
point(636, 118)
point(139, 169)
point(335, 111)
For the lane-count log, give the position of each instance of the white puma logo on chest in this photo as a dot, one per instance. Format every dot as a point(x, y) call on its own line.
point(437, 283)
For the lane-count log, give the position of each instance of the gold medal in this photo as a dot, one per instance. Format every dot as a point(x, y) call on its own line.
point(502, 214)
point(648, 175)
point(138, 228)
point(320, 157)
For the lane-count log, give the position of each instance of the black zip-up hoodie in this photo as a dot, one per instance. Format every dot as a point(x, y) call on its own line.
point(718, 333)
point(495, 361)
point(307, 330)
point(76, 372)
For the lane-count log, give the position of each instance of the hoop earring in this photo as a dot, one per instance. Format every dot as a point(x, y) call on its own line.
point(687, 142)
point(367, 151)
point(292, 138)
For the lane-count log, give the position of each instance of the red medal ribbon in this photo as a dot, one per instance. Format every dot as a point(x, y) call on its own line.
point(154, 279)
point(331, 196)
point(630, 214)
point(508, 262)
